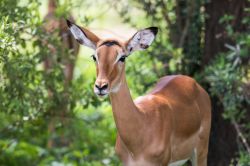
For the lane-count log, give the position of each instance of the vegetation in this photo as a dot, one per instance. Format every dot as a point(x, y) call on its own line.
point(45, 121)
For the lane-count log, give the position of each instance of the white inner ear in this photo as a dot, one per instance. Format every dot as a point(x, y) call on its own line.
point(141, 40)
point(80, 36)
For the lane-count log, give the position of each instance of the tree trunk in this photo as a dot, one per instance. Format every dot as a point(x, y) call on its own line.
point(52, 24)
point(215, 33)
point(223, 138)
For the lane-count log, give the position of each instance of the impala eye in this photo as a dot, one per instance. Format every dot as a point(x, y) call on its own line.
point(123, 58)
point(94, 58)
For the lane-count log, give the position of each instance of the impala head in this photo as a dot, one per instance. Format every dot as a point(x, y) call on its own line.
point(110, 55)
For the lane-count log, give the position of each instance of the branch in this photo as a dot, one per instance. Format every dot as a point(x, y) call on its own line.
point(187, 24)
point(240, 134)
point(164, 12)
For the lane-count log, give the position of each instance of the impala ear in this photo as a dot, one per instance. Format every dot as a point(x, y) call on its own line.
point(83, 36)
point(141, 39)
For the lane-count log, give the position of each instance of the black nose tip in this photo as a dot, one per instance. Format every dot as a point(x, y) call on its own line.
point(105, 86)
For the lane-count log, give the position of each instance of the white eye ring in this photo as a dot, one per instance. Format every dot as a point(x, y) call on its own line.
point(120, 56)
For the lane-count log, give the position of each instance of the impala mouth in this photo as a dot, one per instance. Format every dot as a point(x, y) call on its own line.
point(99, 93)
point(102, 94)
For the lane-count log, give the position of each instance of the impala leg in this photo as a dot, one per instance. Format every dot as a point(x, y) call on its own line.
point(202, 160)
point(202, 147)
point(202, 151)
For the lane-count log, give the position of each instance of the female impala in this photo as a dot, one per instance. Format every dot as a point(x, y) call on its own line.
point(168, 126)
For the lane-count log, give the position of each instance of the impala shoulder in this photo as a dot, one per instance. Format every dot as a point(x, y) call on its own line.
point(187, 85)
point(174, 82)
point(177, 87)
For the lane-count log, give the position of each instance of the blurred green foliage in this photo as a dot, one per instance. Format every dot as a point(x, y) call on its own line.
point(86, 135)
point(26, 108)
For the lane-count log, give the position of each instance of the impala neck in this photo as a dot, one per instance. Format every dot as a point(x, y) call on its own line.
point(126, 115)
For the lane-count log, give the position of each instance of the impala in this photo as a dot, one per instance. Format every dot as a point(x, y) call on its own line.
point(166, 127)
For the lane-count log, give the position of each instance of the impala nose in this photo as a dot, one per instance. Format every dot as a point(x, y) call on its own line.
point(101, 87)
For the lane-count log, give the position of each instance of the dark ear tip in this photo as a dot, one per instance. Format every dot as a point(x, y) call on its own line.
point(69, 23)
point(154, 30)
